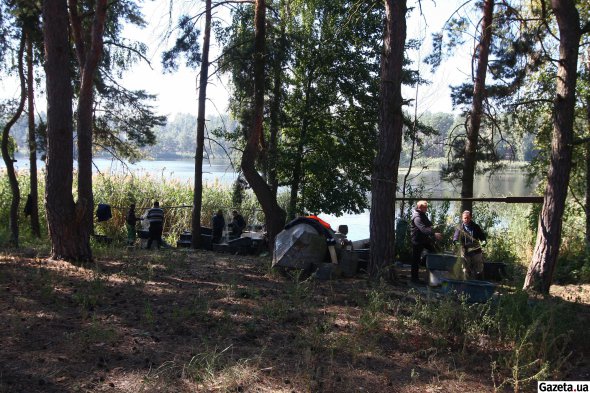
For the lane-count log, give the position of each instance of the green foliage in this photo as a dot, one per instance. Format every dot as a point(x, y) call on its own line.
point(372, 313)
point(6, 197)
point(187, 45)
point(457, 322)
point(126, 123)
point(328, 99)
point(238, 191)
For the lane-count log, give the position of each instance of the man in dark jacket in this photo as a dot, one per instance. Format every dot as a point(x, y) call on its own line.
point(423, 237)
point(469, 235)
point(238, 224)
point(156, 218)
point(130, 221)
point(218, 226)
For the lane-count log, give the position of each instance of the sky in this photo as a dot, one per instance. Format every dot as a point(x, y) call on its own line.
point(177, 92)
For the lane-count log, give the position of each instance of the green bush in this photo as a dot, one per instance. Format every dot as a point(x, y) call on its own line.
point(24, 188)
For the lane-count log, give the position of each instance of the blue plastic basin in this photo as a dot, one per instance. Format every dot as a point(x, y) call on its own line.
point(475, 291)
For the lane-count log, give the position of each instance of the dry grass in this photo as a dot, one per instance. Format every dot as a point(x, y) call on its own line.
point(179, 321)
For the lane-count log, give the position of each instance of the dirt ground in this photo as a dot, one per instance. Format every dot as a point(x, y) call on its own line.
point(183, 321)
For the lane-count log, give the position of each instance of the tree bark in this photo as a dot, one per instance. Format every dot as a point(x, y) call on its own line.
point(384, 181)
point(33, 180)
point(69, 239)
point(8, 161)
point(275, 109)
point(298, 172)
point(479, 89)
point(540, 272)
point(198, 187)
point(88, 59)
point(273, 214)
point(414, 137)
point(587, 202)
point(587, 147)
point(275, 106)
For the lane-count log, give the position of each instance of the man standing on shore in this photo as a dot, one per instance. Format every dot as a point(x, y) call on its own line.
point(156, 218)
point(423, 237)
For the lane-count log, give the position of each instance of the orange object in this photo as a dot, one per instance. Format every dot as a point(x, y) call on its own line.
point(324, 223)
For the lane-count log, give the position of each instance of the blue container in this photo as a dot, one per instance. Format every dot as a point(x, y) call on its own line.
point(475, 291)
point(444, 262)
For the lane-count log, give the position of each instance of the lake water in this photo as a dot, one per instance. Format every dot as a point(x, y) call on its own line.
point(181, 170)
point(509, 183)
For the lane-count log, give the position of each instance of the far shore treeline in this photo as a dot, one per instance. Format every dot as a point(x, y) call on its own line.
point(176, 139)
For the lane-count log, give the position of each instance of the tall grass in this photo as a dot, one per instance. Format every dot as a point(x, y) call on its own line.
point(175, 197)
point(533, 338)
point(119, 191)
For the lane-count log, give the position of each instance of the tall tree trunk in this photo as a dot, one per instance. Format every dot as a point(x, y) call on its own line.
point(300, 157)
point(275, 109)
point(414, 137)
point(33, 180)
point(198, 187)
point(384, 181)
point(587, 202)
point(88, 59)
point(540, 272)
point(275, 105)
point(69, 240)
point(587, 147)
point(479, 87)
point(273, 214)
point(8, 161)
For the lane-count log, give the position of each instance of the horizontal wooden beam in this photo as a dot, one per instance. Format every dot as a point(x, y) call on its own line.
point(521, 199)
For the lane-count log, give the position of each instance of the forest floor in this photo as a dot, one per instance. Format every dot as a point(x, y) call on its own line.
point(184, 321)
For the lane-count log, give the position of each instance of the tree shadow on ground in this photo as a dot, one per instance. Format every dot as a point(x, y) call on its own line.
point(186, 321)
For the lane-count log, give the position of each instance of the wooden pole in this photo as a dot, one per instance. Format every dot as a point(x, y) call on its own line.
point(523, 199)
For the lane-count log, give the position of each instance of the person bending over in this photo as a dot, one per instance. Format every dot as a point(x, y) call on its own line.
point(469, 236)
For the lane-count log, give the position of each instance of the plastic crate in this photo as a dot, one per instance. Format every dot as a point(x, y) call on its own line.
point(475, 291)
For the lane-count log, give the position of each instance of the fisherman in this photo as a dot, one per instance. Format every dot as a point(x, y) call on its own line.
point(470, 236)
point(218, 223)
point(130, 221)
point(423, 237)
point(156, 218)
point(238, 224)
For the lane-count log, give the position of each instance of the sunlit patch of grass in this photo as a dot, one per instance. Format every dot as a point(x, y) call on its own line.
point(212, 369)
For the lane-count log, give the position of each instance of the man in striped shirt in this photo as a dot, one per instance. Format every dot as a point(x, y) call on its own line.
point(156, 218)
